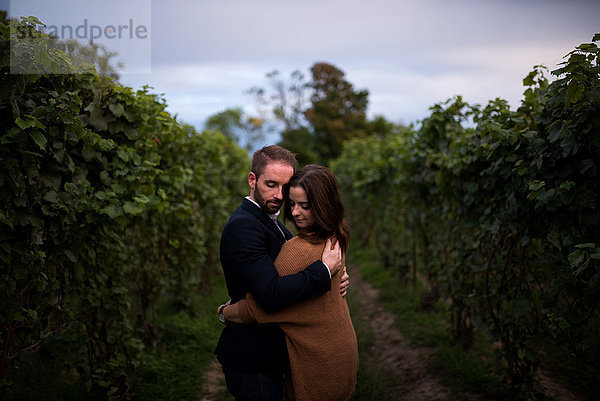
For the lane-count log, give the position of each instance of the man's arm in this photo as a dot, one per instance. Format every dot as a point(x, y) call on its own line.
point(245, 248)
point(344, 283)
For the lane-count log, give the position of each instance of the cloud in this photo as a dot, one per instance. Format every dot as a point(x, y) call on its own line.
point(196, 91)
point(399, 90)
point(408, 54)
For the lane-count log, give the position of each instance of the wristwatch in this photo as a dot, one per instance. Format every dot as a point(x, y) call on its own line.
point(221, 315)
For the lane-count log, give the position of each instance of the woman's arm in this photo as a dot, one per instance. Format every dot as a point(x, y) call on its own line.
point(231, 313)
point(249, 311)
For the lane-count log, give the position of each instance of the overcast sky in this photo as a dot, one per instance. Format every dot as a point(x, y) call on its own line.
point(409, 55)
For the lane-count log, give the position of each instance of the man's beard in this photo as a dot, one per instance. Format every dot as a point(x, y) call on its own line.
point(267, 207)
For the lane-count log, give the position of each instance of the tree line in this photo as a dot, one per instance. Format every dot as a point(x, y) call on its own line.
point(314, 117)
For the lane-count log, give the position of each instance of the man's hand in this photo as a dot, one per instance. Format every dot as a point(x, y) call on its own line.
point(332, 256)
point(344, 283)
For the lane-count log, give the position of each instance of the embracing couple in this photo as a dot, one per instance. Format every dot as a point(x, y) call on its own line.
point(287, 324)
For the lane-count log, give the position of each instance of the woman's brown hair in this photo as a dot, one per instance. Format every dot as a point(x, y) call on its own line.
point(325, 202)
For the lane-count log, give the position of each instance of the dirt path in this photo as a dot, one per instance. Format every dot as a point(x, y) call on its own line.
point(213, 384)
point(391, 353)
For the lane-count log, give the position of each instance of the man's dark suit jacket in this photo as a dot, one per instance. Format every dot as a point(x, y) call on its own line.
point(249, 244)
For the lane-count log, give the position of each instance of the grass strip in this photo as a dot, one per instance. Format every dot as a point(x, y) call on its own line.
point(174, 370)
point(463, 371)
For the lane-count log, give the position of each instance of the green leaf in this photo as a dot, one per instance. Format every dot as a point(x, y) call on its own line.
point(70, 187)
point(536, 185)
point(569, 146)
point(133, 208)
point(30, 122)
point(98, 121)
point(529, 79)
point(10, 135)
point(123, 154)
point(18, 316)
point(588, 47)
point(105, 178)
point(547, 195)
point(555, 132)
point(566, 186)
point(59, 154)
point(70, 163)
point(142, 199)
point(574, 92)
point(576, 258)
point(51, 196)
point(587, 245)
point(112, 211)
point(119, 189)
point(39, 138)
point(587, 167)
point(70, 256)
point(131, 133)
point(117, 109)
point(5, 220)
point(136, 158)
point(131, 117)
point(24, 124)
point(106, 145)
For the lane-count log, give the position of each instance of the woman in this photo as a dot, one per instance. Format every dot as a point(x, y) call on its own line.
point(320, 337)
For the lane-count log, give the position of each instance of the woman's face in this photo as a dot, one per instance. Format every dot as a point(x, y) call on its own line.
point(301, 211)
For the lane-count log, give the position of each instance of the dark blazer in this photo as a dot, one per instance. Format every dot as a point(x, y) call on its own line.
point(249, 244)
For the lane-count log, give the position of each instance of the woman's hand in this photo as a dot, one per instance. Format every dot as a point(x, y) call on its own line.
point(332, 256)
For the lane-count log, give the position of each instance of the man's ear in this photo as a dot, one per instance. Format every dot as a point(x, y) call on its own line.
point(252, 180)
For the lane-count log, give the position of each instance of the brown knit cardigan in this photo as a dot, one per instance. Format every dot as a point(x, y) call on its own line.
point(320, 337)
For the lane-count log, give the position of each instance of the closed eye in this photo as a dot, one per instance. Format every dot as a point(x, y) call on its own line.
point(303, 205)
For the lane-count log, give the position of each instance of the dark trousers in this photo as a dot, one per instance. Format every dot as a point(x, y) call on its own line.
point(254, 386)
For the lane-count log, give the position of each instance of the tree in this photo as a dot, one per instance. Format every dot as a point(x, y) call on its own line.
point(316, 116)
point(337, 111)
point(93, 54)
point(235, 124)
point(30, 42)
point(382, 128)
point(300, 141)
point(287, 101)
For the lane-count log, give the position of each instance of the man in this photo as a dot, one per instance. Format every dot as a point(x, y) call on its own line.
point(254, 357)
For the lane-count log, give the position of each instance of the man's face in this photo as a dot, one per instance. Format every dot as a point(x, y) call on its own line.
point(267, 190)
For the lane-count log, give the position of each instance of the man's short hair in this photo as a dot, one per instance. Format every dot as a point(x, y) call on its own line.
point(269, 154)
